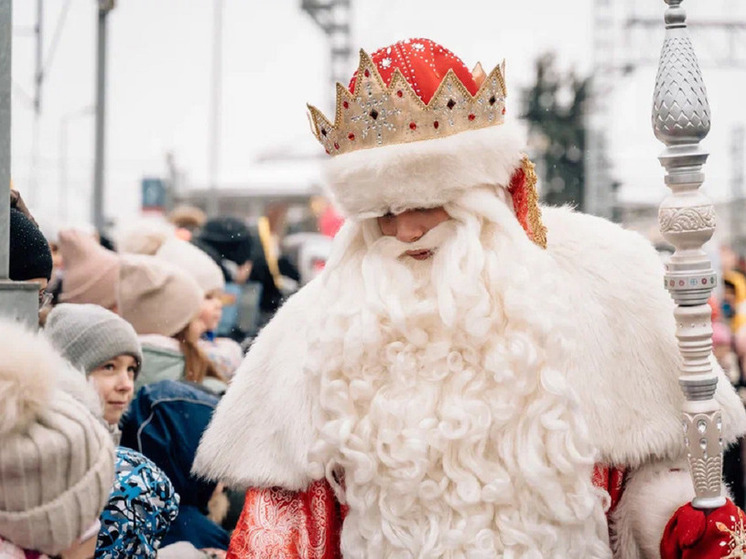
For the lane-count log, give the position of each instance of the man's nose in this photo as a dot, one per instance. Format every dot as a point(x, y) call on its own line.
point(408, 230)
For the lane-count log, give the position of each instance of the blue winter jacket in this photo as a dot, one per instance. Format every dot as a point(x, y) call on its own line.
point(165, 422)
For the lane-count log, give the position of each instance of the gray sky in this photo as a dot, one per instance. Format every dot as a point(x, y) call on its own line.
point(275, 62)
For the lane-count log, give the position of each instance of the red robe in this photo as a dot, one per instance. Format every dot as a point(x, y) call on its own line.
point(280, 524)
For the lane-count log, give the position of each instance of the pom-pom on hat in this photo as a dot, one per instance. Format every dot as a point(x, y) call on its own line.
point(89, 335)
point(157, 297)
point(56, 458)
point(416, 129)
point(91, 271)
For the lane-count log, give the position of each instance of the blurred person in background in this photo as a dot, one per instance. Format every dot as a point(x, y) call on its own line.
point(91, 272)
point(30, 258)
point(734, 311)
point(277, 274)
point(186, 220)
point(164, 303)
point(229, 242)
point(165, 423)
point(56, 458)
point(225, 353)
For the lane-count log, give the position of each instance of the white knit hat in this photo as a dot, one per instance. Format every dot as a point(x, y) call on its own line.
point(56, 458)
point(193, 261)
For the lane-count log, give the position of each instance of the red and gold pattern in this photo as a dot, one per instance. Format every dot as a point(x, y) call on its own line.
point(280, 524)
point(411, 91)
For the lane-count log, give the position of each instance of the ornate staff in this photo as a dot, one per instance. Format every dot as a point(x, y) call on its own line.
point(681, 119)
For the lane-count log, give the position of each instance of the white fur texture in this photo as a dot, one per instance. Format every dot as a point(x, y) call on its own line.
point(439, 399)
point(625, 366)
point(617, 353)
point(261, 430)
point(425, 174)
point(28, 371)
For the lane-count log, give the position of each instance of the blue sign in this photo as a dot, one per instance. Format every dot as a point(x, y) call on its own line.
point(153, 194)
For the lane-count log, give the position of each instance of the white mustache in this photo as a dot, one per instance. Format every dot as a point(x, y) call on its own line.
point(432, 240)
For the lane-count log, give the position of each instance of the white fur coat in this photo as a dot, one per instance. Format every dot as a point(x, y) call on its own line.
point(625, 372)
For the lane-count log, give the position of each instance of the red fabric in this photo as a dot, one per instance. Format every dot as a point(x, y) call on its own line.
point(423, 64)
point(280, 524)
point(611, 480)
point(692, 534)
point(519, 193)
point(330, 222)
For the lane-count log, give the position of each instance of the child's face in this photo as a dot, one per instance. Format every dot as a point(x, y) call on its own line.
point(115, 382)
point(212, 310)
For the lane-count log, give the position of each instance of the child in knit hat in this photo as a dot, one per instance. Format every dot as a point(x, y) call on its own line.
point(224, 353)
point(56, 458)
point(163, 303)
point(142, 503)
point(104, 347)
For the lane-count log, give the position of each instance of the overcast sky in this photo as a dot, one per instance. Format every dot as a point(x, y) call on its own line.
point(275, 61)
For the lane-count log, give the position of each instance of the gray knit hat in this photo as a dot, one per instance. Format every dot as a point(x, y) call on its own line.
point(89, 335)
point(56, 458)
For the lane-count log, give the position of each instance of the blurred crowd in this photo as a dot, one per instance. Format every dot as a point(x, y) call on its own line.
point(139, 339)
point(729, 348)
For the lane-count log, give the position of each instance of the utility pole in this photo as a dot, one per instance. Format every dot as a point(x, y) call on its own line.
point(18, 300)
point(33, 183)
point(333, 16)
point(97, 206)
point(215, 108)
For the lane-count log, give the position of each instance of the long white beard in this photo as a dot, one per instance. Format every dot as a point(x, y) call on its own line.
point(440, 401)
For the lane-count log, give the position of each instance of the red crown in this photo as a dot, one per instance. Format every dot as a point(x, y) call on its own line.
point(411, 91)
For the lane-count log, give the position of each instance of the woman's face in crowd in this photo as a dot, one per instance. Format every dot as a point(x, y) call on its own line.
point(212, 310)
point(115, 382)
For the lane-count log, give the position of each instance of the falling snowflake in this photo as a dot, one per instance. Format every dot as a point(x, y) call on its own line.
point(737, 542)
point(386, 62)
point(418, 46)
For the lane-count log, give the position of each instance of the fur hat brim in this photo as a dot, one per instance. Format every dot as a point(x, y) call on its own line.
point(427, 174)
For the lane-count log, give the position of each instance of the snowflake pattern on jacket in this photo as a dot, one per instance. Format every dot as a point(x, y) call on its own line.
point(141, 507)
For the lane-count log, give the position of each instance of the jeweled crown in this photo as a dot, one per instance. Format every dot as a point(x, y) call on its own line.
point(373, 114)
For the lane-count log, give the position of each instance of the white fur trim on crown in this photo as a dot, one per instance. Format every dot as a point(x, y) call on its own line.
point(426, 174)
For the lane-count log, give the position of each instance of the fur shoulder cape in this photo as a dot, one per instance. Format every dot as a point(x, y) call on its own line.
point(624, 367)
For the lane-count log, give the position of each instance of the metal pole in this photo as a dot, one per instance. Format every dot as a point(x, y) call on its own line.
point(97, 207)
point(215, 106)
point(681, 119)
point(18, 300)
point(6, 31)
point(39, 74)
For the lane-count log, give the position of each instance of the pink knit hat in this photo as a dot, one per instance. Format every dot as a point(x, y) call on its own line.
point(91, 271)
point(157, 297)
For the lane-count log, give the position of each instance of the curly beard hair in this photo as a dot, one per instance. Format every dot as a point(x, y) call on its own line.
point(442, 397)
